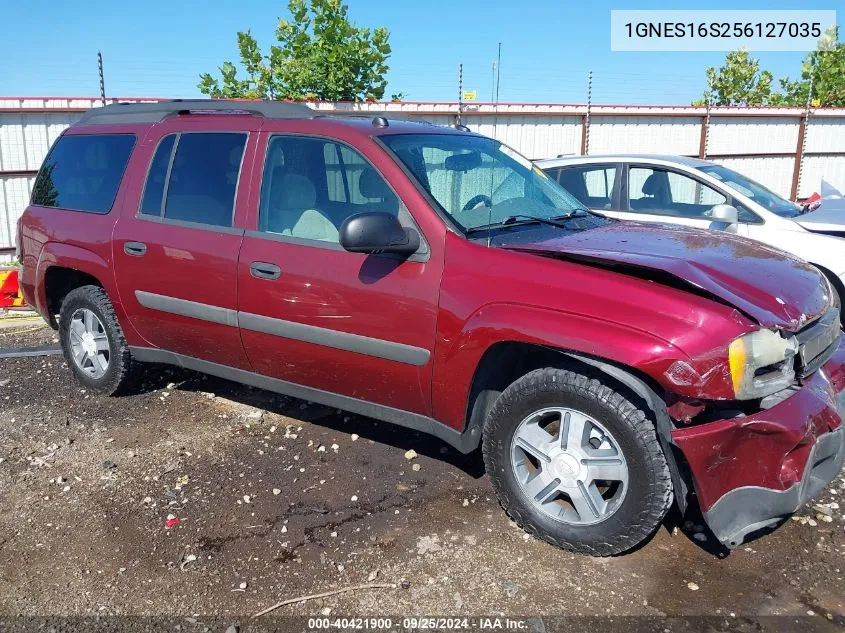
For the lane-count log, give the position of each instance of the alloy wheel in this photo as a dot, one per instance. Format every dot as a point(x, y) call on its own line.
point(89, 343)
point(569, 466)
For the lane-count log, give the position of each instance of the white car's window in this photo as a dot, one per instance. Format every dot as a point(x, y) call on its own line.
point(591, 184)
point(754, 190)
point(662, 192)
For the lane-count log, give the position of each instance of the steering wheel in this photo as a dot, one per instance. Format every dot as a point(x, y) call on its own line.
point(477, 200)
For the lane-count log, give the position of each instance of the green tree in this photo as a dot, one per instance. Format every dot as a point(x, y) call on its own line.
point(827, 68)
point(738, 82)
point(319, 54)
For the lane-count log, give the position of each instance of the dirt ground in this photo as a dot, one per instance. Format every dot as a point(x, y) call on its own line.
point(273, 498)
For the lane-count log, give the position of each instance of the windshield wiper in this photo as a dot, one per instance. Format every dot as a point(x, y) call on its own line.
point(520, 219)
point(514, 220)
point(583, 213)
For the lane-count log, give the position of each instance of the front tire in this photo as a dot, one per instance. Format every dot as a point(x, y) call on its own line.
point(93, 342)
point(576, 464)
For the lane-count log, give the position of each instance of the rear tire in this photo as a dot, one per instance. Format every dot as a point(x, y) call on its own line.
point(576, 464)
point(92, 341)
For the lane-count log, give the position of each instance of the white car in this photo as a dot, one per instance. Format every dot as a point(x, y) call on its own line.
point(694, 192)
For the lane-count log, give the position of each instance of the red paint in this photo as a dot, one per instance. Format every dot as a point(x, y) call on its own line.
point(768, 449)
point(459, 303)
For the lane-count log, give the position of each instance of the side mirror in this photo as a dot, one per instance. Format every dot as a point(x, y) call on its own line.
point(725, 218)
point(378, 233)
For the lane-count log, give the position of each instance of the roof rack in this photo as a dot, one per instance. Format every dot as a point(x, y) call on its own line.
point(155, 112)
point(378, 117)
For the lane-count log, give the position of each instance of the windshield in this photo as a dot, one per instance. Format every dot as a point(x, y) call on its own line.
point(754, 190)
point(477, 180)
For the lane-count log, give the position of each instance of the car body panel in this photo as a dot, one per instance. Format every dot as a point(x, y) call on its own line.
point(183, 261)
point(336, 293)
point(577, 308)
point(754, 285)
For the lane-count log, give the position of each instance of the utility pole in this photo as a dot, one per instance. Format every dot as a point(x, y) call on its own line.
point(102, 80)
point(803, 134)
point(460, 93)
point(587, 117)
point(707, 118)
point(498, 72)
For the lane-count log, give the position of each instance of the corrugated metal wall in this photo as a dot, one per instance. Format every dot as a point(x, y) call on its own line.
point(760, 142)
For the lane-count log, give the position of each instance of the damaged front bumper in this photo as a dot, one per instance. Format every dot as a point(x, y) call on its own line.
point(752, 472)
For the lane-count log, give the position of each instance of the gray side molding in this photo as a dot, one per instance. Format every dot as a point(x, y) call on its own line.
point(183, 307)
point(379, 348)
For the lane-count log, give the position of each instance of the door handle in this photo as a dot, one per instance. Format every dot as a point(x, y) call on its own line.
point(264, 270)
point(137, 249)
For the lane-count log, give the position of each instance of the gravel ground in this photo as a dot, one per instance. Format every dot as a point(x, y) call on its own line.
point(198, 496)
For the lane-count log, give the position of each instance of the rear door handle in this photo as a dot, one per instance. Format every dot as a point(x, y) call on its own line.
point(264, 270)
point(138, 249)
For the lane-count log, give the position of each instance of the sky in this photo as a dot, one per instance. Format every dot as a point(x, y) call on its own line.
point(158, 48)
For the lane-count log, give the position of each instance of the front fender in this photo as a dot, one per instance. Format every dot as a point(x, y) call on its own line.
point(455, 360)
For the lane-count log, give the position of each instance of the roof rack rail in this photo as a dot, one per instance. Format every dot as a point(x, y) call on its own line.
point(155, 112)
point(385, 115)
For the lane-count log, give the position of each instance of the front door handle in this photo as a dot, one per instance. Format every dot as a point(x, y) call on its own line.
point(264, 270)
point(138, 249)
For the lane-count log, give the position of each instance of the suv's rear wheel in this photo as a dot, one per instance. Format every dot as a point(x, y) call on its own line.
point(92, 340)
point(575, 463)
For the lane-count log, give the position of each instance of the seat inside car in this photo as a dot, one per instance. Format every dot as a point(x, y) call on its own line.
point(655, 193)
point(293, 211)
point(381, 197)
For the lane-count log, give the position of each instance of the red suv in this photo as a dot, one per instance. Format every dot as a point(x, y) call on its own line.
point(435, 279)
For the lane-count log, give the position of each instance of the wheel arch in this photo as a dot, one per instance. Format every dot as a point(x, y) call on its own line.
point(64, 267)
point(506, 361)
point(835, 281)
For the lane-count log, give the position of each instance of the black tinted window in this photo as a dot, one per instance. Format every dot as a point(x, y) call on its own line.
point(83, 172)
point(154, 189)
point(204, 178)
point(311, 186)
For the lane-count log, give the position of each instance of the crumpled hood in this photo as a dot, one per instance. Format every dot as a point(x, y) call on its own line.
point(772, 287)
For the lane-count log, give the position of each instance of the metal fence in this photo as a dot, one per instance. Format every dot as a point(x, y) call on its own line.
point(789, 150)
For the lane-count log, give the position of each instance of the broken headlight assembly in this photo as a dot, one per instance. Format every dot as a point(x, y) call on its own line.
point(761, 363)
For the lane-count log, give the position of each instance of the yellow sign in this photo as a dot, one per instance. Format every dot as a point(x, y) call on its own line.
point(470, 95)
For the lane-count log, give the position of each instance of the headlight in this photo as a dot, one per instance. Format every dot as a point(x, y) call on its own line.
point(761, 364)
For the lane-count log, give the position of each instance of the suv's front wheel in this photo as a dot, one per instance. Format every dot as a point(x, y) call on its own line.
point(575, 463)
point(92, 340)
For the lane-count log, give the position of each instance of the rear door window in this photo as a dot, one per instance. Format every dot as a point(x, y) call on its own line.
point(193, 177)
point(83, 172)
point(204, 177)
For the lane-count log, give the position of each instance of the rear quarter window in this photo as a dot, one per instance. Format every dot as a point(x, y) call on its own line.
point(83, 172)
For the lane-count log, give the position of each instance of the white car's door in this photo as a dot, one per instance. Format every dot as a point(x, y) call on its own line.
point(659, 194)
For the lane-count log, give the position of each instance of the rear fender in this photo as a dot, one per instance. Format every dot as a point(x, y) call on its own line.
point(77, 258)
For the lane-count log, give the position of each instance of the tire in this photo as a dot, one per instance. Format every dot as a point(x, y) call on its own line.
point(610, 517)
point(110, 345)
